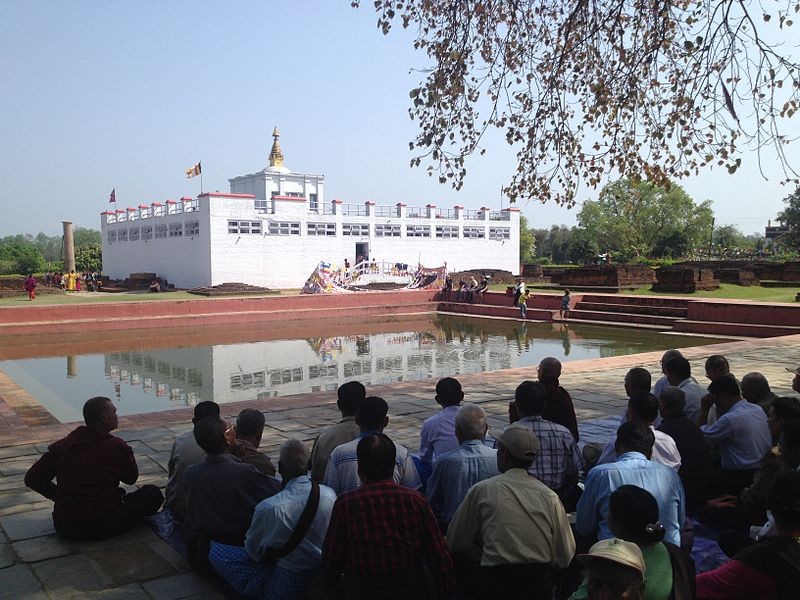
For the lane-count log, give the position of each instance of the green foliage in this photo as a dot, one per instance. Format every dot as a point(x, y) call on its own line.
point(527, 241)
point(25, 253)
point(730, 236)
point(82, 236)
point(89, 257)
point(791, 216)
point(632, 219)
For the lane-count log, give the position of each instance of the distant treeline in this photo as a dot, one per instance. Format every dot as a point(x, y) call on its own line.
point(25, 253)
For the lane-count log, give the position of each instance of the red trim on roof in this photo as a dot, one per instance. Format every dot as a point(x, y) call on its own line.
point(400, 204)
point(220, 194)
point(510, 209)
point(156, 204)
point(119, 210)
point(430, 206)
point(107, 212)
point(289, 199)
point(338, 201)
point(132, 209)
point(187, 198)
point(172, 201)
point(144, 206)
point(459, 206)
point(485, 208)
point(369, 203)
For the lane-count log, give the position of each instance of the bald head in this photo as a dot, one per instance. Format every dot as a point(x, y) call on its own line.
point(550, 367)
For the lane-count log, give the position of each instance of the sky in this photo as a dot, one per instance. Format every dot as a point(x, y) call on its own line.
point(126, 95)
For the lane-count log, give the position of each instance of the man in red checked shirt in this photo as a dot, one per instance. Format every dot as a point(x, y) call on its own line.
point(381, 534)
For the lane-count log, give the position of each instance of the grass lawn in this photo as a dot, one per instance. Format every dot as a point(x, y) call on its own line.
point(95, 298)
point(726, 290)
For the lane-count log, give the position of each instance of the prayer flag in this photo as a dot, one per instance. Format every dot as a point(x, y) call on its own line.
point(193, 171)
point(113, 197)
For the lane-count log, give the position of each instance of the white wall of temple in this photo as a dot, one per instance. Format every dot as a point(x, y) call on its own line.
point(227, 239)
point(175, 247)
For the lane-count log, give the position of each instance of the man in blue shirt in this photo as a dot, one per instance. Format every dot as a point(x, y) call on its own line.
point(438, 435)
point(633, 466)
point(273, 524)
point(741, 433)
point(455, 472)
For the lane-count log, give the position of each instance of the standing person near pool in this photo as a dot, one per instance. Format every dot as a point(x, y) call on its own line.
point(30, 286)
point(565, 300)
point(519, 289)
point(522, 302)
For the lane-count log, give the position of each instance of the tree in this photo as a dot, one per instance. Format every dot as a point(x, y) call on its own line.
point(641, 219)
point(527, 241)
point(89, 257)
point(83, 236)
point(20, 255)
point(730, 237)
point(585, 90)
point(791, 217)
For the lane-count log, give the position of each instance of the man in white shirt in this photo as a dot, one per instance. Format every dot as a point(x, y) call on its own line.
point(274, 521)
point(643, 408)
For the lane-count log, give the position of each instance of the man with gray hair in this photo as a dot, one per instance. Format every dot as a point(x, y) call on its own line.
point(249, 431)
point(756, 390)
point(456, 471)
point(272, 564)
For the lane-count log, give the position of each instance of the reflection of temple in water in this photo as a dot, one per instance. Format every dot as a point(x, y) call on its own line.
point(259, 370)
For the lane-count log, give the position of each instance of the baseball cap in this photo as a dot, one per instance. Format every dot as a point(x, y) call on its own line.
point(618, 551)
point(519, 441)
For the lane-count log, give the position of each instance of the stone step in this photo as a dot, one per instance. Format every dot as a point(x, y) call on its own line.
point(638, 300)
point(487, 310)
point(752, 330)
point(663, 311)
point(606, 323)
point(620, 317)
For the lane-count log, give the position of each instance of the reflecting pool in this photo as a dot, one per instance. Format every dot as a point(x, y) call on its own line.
point(161, 370)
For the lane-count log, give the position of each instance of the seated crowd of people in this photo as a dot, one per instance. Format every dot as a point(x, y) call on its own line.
point(472, 515)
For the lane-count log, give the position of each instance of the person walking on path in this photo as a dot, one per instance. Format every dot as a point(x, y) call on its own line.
point(523, 304)
point(30, 286)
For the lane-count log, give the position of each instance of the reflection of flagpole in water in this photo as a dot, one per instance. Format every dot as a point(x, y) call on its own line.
point(72, 367)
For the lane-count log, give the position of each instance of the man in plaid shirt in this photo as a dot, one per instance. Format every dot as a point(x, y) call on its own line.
point(558, 461)
point(382, 533)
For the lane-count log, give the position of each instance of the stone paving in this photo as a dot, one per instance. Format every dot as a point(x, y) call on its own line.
point(36, 563)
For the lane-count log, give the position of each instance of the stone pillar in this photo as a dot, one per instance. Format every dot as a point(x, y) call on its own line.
point(69, 247)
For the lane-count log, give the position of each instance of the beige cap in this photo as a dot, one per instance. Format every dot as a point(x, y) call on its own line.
point(618, 551)
point(519, 441)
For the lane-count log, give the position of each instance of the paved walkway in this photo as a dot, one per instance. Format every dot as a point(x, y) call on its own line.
point(37, 563)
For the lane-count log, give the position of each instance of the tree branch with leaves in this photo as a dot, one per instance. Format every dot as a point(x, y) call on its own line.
point(654, 89)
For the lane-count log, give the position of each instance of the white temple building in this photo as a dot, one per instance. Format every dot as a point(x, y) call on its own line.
point(275, 227)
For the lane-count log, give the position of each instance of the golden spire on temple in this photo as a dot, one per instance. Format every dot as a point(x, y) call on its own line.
point(276, 155)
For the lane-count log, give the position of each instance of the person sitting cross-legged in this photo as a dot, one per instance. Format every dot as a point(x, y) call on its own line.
point(741, 433)
point(438, 432)
point(185, 453)
point(348, 397)
point(633, 466)
point(282, 550)
point(560, 408)
point(558, 461)
point(679, 374)
point(383, 536)
point(695, 466)
point(341, 474)
point(513, 526)
point(457, 471)
point(88, 466)
point(769, 568)
point(221, 493)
